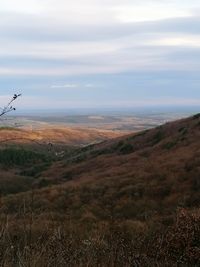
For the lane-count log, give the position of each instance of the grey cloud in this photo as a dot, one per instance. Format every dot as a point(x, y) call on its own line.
point(32, 43)
point(23, 27)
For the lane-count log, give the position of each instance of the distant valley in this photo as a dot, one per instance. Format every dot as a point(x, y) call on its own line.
point(130, 122)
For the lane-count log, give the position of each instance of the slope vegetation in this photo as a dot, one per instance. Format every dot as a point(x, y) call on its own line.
point(58, 135)
point(130, 201)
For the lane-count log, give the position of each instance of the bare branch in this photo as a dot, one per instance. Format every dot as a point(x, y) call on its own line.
point(8, 108)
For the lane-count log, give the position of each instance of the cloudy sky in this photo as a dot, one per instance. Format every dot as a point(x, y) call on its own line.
point(100, 53)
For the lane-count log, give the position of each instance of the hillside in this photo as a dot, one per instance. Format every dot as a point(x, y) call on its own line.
point(25, 153)
point(130, 201)
point(169, 150)
point(57, 134)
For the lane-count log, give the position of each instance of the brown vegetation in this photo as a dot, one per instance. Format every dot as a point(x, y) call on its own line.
point(131, 201)
point(58, 135)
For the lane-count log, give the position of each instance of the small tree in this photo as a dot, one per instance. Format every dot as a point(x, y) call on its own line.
point(9, 107)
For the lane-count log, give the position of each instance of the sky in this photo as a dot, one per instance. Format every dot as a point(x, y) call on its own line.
point(64, 54)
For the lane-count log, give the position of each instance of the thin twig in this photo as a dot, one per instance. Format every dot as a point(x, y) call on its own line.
point(8, 108)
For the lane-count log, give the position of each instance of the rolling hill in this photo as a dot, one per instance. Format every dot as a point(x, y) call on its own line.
point(57, 134)
point(130, 201)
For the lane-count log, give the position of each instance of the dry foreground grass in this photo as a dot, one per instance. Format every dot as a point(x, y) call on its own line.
point(130, 201)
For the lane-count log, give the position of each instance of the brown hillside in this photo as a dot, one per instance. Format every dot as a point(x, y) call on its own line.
point(169, 150)
point(134, 200)
point(58, 135)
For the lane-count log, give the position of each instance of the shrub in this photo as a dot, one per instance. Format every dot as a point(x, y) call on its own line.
point(182, 243)
point(169, 145)
point(157, 137)
point(197, 116)
point(126, 149)
point(20, 157)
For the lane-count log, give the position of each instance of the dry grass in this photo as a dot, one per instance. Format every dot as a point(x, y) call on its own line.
point(133, 201)
point(59, 134)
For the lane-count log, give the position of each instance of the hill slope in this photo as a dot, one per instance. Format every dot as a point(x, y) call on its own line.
point(130, 201)
point(171, 152)
point(58, 135)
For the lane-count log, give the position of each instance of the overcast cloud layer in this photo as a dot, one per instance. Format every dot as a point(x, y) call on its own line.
point(100, 53)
